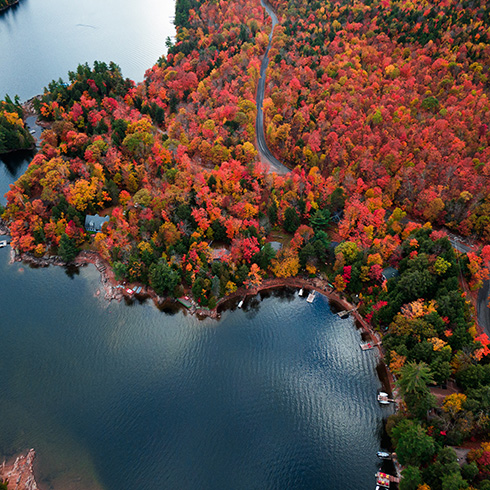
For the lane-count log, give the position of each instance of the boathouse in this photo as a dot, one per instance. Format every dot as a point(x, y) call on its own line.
point(94, 223)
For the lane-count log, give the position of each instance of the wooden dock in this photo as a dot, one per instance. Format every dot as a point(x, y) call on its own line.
point(311, 297)
point(345, 313)
point(384, 480)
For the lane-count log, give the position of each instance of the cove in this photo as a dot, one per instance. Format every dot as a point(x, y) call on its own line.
point(124, 396)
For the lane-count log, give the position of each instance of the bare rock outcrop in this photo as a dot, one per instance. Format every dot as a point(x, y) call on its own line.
point(20, 474)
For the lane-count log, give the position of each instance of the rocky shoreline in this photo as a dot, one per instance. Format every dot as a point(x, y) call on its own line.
point(19, 474)
point(4, 229)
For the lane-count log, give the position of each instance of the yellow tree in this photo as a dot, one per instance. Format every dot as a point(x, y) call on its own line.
point(286, 264)
point(254, 277)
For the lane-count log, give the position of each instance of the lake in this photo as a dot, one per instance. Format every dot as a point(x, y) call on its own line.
point(118, 396)
point(114, 396)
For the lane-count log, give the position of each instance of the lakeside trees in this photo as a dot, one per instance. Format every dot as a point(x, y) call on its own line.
point(4, 4)
point(13, 133)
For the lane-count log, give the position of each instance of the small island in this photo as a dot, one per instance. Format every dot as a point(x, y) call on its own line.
point(378, 109)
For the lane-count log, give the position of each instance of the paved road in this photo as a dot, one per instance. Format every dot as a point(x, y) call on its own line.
point(266, 155)
point(482, 310)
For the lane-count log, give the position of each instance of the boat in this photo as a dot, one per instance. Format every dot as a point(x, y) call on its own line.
point(367, 346)
point(301, 292)
point(382, 480)
point(3, 243)
point(383, 398)
point(240, 304)
point(32, 131)
point(383, 455)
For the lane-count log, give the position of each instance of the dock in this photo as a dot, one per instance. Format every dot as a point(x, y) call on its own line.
point(344, 314)
point(384, 480)
point(311, 297)
point(369, 345)
point(185, 302)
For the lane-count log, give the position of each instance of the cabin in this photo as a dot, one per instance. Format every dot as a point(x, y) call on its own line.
point(389, 273)
point(94, 223)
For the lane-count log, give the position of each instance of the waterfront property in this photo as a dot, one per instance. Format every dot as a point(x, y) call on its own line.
point(94, 222)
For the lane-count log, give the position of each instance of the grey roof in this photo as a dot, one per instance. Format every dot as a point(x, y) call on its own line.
point(390, 272)
point(276, 246)
point(94, 223)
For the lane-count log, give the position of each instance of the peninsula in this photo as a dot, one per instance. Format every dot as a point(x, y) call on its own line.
point(378, 109)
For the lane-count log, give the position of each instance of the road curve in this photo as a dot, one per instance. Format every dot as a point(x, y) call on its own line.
point(483, 311)
point(266, 155)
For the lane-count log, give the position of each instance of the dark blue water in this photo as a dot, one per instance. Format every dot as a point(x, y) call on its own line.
point(115, 396)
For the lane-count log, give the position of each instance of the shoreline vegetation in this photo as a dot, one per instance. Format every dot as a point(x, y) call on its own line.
point(14, 135)
point(6, 4)
point(172, 163)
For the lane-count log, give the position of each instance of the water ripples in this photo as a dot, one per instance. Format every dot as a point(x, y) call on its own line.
point(276, 396)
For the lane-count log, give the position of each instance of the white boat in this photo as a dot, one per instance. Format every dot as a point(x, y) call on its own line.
point(3, 243)
point(32, 131)
point(383, 455)
point(383, 398)
point(240, 304)
point(301, 292)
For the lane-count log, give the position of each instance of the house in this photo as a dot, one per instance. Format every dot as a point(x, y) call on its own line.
point(389, 273)
point(94, 223)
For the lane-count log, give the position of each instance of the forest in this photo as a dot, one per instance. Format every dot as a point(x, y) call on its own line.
point(379, 108)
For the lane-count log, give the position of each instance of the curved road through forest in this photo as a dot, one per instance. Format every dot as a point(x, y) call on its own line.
point(266, 155)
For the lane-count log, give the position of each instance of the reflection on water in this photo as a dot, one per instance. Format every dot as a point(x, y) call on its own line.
point(12, 166)
point(275, 396)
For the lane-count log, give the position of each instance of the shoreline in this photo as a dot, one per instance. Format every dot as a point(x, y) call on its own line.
point(4, 9)
point(114, 290)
